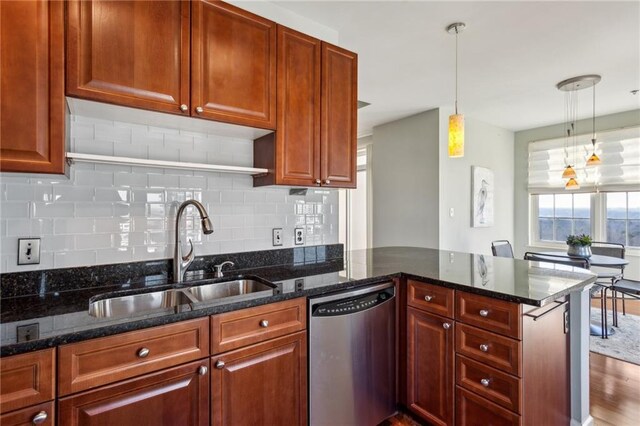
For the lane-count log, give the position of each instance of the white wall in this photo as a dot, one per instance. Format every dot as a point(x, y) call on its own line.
point(521, 196)
point(487, 146)
point(110, 214)
point(404, 177)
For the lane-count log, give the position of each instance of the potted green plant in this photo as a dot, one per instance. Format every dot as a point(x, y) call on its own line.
point(579, 245)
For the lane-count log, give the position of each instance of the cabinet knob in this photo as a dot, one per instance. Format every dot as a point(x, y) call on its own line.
point(219, 365)
point(485, 382)
point(199, 110)
point(484, 313)
point(446, 325)
point(202, 370)
point(143, 352)
point(318, 182)
point(39, 418)
point(484, 347)
point(327, 182)
point(184, 108)
point(264, 323)
point(428, 298)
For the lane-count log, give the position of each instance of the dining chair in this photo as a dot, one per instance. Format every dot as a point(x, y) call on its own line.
point(624, 286)
point(563, 259)
point(501, 248)
point(613, 250)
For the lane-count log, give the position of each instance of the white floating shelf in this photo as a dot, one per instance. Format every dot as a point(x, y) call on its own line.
point(106, 159)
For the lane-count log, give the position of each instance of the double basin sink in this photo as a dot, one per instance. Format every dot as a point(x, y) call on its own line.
point(183, 298)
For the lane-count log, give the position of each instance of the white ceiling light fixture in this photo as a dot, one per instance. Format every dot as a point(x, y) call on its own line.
point(456, 121)
point(571, 86)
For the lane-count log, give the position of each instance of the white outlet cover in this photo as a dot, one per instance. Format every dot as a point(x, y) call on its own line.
point(28, 251)
point(298, 236)
point(277, 237)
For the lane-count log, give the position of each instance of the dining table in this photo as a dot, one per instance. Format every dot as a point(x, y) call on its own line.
point(599, 261)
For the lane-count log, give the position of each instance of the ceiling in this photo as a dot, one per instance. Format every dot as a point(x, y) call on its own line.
point(512, 54)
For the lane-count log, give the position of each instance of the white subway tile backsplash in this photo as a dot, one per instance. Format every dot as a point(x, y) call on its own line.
point(109, 213)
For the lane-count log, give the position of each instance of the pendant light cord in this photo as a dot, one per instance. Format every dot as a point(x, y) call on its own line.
point(456, 103)
point(593, 126)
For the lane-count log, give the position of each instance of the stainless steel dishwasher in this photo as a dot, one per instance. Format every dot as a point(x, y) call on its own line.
point(352, 356)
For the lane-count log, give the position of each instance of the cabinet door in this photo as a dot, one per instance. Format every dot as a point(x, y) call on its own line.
point(261, 384)
point(298, 136)
point(27, 379)
point(430, 366)
point(177, 396)
point(32, 105)
point(132, 53)
point(233, 74)
point(339, 117)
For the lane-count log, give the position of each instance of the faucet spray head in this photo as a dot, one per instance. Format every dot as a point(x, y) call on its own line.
point(207, 227)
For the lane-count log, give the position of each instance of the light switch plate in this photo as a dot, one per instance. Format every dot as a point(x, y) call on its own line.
point(298, 236)
point(28, 251)
point(277, 237)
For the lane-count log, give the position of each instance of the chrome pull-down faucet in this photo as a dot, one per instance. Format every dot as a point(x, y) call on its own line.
point(181, 263)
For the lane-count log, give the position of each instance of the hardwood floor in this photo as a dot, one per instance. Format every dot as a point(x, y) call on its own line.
point(614, 391)
point(632, 305)
point(614, 394)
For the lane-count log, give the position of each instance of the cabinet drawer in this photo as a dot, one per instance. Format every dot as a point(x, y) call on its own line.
point(431, 298)
point(495, 385)
point(235, 329)
point(26, 416)
point(26, 379)
point(491, 314)
point(473, 410)
point(97, 362)
point(489, 348)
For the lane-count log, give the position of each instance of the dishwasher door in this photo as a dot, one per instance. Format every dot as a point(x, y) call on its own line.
point(352, 357)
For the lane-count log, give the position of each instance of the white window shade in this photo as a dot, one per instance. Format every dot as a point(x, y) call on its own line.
point(619, 151)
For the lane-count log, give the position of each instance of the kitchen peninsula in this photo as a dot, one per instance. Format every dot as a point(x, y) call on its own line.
point(517, 308)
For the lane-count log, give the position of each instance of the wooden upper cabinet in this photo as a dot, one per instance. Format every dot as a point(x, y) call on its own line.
point(339, 117)
point(32, 104)
point(131, 53)
point(298, 135)
point(233, 74)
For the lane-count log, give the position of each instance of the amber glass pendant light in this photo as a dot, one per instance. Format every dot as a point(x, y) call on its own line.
point(456, 121)
point(593, 160)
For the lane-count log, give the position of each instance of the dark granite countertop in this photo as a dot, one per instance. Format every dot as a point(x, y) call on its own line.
point(63, 315)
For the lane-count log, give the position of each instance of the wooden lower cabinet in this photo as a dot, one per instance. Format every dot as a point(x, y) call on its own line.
point(430, 366)
point(176, 396)
point(42, 414)
point(263, 384)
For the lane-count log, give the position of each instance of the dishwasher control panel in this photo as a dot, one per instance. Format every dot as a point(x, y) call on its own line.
point(352, 305)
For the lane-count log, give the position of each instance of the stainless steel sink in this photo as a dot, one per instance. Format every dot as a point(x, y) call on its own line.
point(230, 290)
point(182, 298)
point(138, 303)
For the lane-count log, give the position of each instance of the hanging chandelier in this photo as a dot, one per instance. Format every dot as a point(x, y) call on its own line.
point(456, 121)
point(571, 86)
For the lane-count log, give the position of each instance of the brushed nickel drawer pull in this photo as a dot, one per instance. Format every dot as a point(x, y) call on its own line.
point(484, 313)
point(219, 365)
point(143, 352)
point(428, 298)
point(264, 323)
point(41, 417)
point(485, 382)
point(202, 370)
point(484, 347)
point(446, 325)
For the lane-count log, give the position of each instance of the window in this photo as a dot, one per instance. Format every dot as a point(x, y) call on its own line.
point(607, 205)
point(623, 218)
point(560, 215)
point(611, 216)
point(354, 207)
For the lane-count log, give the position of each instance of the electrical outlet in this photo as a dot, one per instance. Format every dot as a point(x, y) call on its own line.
point(277, 236)
point(28, 251)
point(29, 332)
point(299, 284)
point(298, 236)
